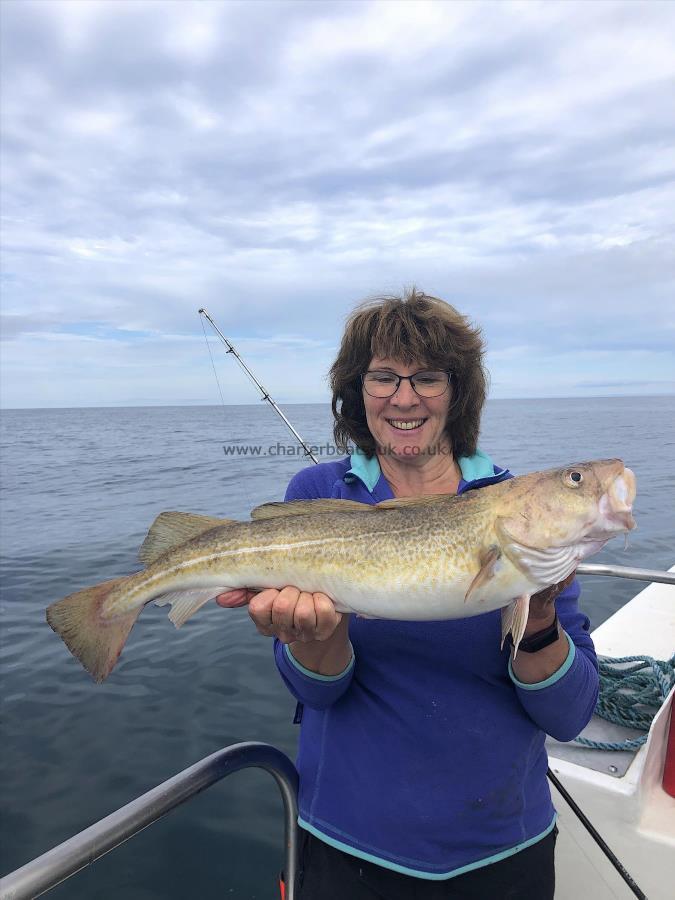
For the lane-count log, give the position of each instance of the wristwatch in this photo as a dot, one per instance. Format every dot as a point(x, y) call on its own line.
point(539, 639)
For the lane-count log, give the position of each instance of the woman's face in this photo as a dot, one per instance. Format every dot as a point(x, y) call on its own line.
point(405, 425)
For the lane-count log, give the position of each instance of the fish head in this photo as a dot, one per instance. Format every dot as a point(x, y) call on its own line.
point(554, 519)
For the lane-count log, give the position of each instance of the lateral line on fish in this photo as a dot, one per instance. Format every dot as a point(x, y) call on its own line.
point(267, 548)
point(186, 565)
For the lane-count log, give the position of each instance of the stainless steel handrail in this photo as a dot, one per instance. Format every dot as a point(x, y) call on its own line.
point(53, 867)
point(627, 572)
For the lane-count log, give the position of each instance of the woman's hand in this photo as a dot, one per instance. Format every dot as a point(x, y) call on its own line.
point(542, 606)
point(289, 614)
point(318, 636)
point(535, 667)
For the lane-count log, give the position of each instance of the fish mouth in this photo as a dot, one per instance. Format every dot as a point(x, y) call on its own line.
point(406, 424)
point(615, 509)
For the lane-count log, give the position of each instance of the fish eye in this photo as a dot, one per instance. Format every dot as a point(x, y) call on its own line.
point(575, 477)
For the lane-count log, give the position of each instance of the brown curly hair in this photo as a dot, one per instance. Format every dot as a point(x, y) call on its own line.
point(412, 328)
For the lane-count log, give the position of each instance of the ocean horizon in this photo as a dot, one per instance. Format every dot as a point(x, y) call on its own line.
point(157, 404)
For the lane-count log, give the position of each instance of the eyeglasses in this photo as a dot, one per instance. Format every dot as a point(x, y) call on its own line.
point(429, 383)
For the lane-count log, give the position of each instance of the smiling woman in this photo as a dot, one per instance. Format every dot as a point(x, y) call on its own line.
point(421, 333)
point(422, 762)
point(408, 389)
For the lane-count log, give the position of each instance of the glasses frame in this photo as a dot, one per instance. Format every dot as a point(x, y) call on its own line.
point(410, 378)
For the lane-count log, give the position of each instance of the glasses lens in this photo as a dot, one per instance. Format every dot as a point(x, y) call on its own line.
point(385, 384)
point(380, 384)
point(430, 384)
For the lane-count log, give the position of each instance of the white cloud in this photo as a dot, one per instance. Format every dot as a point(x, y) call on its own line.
point(277, 162)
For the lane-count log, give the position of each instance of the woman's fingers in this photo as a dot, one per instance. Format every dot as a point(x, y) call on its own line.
point(232, 599)
point(283, 614)
point(541, 602)
point(327, 617)
point(260, 610)
point(293, 615)
point(304, 617)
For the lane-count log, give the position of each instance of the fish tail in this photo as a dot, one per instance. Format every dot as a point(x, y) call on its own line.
point(96, 641)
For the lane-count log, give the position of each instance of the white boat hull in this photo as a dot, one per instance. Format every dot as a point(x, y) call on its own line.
point(633, 813)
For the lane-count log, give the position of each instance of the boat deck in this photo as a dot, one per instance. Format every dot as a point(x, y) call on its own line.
point(621, 791)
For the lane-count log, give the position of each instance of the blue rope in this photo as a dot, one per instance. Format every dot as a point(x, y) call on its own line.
point(631, 695)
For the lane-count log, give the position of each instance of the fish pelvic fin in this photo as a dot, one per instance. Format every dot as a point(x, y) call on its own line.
point(488, 560)
point(185, 604)
point(96, 641)
point(514, 620)
point(171, 529)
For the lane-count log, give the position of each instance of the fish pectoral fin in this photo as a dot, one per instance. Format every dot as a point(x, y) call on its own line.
point(307, 508)
point(488, 561)
point(171, 529)
point(185, 604)
point(514, 620)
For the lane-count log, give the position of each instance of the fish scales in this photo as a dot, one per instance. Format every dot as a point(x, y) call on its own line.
point(338, 553)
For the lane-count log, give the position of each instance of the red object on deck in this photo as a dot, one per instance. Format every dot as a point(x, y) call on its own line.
point(669, 767)
point(282, 888)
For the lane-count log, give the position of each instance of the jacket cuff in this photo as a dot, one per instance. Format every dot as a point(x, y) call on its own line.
point(310, 688)
point(556, 676)
point(310, 674)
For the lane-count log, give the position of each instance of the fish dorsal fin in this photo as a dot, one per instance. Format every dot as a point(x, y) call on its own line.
point(171, 529)
point(399, 502)
point(307, 508)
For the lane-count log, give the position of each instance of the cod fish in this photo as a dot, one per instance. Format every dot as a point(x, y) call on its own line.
point(438, 557)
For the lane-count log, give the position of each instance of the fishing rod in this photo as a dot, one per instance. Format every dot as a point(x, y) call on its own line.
point(583, 569)
point(265, 395)
point(597, 837)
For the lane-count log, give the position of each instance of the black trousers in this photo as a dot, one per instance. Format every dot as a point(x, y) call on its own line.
point(330, 874)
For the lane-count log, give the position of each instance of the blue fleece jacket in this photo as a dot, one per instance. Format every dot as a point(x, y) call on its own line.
point(426, 755)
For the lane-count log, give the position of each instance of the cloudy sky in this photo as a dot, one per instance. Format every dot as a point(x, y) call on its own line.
point(277, 162)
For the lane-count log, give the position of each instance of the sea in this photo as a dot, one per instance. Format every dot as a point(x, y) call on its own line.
point(80, 487)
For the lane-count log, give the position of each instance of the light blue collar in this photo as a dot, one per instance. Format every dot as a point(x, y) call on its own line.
point(477, 466)
point(368, 470)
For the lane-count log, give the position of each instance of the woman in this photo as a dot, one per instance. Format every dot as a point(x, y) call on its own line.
point(421, 759)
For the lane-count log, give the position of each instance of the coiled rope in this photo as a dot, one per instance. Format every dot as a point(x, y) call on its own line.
point(632, 690)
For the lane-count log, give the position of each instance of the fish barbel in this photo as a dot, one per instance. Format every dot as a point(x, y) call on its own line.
point(423, 558)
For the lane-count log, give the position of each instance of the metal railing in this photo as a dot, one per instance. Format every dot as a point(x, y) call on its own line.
point(53, 867)
point(627, 572)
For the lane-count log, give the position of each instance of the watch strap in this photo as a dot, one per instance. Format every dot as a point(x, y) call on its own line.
point(540, 639)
